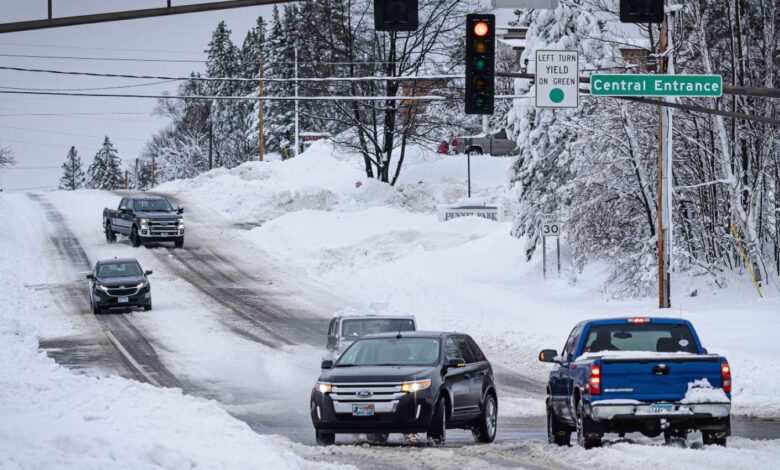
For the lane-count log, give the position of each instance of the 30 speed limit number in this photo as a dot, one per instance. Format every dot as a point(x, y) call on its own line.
point(551, 225)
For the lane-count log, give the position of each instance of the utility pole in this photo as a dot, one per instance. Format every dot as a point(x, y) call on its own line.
point(135, 176)
point(260, 106)
point(127, 182)
point(296, 100)
point(152, 185)
point(211, 145)
point(664, 232)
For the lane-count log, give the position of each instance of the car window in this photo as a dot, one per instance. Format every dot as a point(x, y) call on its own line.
point(120, 269)
point(451, 350)
point(500, 134)
point(332, 327)
point(465, 349)
point(123, 203)
point(357, 327)
point(480, 356)
point(391, 352)
point(571, 343)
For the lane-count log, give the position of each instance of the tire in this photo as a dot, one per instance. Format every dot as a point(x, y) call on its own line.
point(437, 432)
point(485, 431)
point(585, 430)
point(711, 439)
point(148, 306)
point(378, 438)
point(474, 152)
point(95, 309)
point(134, 238)
point(324, 438)
point(178, 243)
point(110, 234)
point(674, 436)
point(557, 433)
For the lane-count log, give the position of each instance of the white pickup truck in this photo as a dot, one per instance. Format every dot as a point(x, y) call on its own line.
point(345, 329)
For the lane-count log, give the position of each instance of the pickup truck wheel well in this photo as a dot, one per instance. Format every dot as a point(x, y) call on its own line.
point(575, 400)
point(474, 147)
point(447, 403)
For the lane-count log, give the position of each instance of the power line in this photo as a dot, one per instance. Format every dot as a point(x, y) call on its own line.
point(118, 87)
point(233, 79)
point(66, 134)
point(59, 46)
point(102, 59)
point(32, 168)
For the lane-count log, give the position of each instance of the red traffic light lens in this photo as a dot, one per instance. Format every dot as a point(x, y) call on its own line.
point(481, 28)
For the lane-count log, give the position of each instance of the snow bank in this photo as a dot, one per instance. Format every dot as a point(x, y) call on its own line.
point(701, 391)
point(52, 417)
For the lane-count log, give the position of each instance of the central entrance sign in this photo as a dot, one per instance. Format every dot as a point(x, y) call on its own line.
point(655, 85)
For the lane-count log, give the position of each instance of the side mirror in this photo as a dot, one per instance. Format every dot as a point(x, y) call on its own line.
point(148, 273)
point(548, 355)
point(455, 363)
point(180, 210)
point(326, 364)
point(90, 276)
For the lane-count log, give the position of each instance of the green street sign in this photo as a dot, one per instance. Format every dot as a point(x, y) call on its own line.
point(655, 85)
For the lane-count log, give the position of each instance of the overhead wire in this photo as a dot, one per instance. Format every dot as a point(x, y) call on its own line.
point(117, 87)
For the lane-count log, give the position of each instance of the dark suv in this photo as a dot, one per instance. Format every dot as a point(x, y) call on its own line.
point(119, 284)
point(406, 382)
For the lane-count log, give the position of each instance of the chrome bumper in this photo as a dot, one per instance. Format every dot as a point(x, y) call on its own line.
point(608, 412)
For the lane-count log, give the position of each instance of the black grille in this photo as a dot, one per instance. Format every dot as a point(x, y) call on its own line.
point(157, 226)
point(122, 292)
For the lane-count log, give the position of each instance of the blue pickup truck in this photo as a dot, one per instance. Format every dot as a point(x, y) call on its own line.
point(647, 375)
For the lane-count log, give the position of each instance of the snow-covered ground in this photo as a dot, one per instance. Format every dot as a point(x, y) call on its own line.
point(378, 244)
point(308, 223)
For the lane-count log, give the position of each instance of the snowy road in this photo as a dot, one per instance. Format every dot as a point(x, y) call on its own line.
point(251, 311)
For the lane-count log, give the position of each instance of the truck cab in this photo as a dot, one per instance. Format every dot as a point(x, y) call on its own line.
point(344, 330)
point(638, 374)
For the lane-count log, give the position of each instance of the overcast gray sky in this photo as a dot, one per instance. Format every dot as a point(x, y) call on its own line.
point(43, 141)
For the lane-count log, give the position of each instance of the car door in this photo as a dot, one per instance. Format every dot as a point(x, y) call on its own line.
point(482, 374)
point(569, 368)
point(120, 221)
point(332, 343)
point(474, 374)
point(457, 380)
point(559, 385)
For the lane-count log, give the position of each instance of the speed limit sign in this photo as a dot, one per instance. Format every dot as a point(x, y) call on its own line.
point(551, 225)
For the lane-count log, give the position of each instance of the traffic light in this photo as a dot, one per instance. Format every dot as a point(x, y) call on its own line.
point(395, 15)
point(480, 63)
point(642, 11)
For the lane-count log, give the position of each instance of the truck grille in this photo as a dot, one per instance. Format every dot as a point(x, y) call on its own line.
point(160, 226)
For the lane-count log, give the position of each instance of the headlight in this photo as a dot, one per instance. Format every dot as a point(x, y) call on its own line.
point(415, 386)
point(141, 285)
point(323, 387)
point(144, 224)
point(101, 287)
point(181, 224)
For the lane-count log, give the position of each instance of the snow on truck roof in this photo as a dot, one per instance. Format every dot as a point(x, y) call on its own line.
point(638, 318)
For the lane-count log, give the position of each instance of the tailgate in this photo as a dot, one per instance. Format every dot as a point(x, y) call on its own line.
point(655, 379)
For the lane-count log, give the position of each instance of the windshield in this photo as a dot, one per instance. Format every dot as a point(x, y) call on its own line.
point(152, 205)
point(640, 337)
point(119, 269)
point(353, 329)
point(391, 352)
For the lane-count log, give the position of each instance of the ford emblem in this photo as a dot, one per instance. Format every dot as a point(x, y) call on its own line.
point(365, 393)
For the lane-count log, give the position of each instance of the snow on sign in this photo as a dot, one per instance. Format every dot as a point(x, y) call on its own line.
point(530, 4)
point(551, 225)
point(557, 79)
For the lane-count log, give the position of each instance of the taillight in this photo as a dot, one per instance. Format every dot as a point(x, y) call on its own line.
point(594, 383)
point(725, 376)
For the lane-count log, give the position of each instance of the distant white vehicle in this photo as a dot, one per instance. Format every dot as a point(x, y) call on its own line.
point(345, 329)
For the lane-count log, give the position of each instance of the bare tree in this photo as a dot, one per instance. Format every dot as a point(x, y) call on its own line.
point(6, 157)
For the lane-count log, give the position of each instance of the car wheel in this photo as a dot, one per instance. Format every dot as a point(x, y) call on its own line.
point(675, 436)
point(474, 152)
point(148, 306)
point(557, 433)
point(179, 242)
point(110, 234)
point(325, 438)
point(712, 439)
point(378, 438)
point(587, 436)
point(95, 309)
point(437, 432)
point(134, 238)
point(485, 431)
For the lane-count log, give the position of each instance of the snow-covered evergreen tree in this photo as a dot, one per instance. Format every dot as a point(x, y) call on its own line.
point(227, 116)
point(251, 51)
point(280, 115)
point(105, 172)
point(72, 171)
point(544, 136)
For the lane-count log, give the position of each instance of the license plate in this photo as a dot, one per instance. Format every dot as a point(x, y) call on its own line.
point(165, 234)
point(123, 300)
point(661, 407)
point(363, 410)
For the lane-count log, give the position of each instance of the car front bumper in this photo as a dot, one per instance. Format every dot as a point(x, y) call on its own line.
point(140, 299)
point(409, 414)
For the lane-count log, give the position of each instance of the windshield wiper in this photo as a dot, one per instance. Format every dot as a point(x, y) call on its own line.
point(347, 365)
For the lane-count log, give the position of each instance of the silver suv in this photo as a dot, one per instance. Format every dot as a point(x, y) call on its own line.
point(344, 330)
